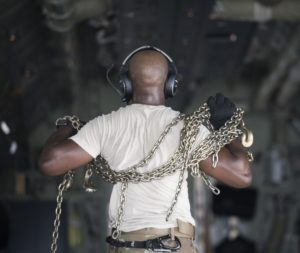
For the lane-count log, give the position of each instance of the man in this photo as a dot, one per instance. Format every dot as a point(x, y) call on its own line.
point(125, 137)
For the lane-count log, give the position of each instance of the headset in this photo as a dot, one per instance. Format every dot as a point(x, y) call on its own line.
point(126, 87)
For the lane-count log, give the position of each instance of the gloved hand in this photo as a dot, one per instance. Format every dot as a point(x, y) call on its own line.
point(221, 110)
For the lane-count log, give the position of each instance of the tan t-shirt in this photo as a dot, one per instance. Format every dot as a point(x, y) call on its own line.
point(124, 137)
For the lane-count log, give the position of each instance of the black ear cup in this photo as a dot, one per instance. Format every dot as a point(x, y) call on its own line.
point(126, 87)
point(170, 86)
point(126, 84)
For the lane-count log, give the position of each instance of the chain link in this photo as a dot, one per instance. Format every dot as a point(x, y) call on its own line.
point(74, 120)
point(116, 231)
point(184, 158)
point(64, 185)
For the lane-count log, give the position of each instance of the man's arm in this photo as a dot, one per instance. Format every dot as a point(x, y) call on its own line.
point(61, 154)
point(233, 167)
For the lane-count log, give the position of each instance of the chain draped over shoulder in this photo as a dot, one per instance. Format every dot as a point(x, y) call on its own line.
point(211, 145)
point(183, 159)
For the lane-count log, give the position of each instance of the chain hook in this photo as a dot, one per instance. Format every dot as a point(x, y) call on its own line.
point(247, 136)
point(115, 234)
point(88, 184)
point(68, 180)
point(215, 190)
point(215, 159)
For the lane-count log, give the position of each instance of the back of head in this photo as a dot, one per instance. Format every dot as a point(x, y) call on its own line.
point(148, 69)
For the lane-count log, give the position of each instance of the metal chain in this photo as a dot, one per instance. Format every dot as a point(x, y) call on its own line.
point(178, 190)
point(64, 185)
point(210, 146)
point(74, 120)
point(116, 232)
point(183, 158)
point(131, 174)
point(180, 160)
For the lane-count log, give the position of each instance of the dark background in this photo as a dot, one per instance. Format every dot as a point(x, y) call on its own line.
point(54, 55)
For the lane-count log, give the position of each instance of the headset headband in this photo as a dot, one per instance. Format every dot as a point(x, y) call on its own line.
point(145, 47)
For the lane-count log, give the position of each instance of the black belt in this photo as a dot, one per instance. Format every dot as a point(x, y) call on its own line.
point(155, 245)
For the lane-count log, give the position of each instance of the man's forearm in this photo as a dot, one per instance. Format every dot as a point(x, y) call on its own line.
point(62, 154)
point(240, 167)
point(61, 134)
point(236, 148)
point(233, 166)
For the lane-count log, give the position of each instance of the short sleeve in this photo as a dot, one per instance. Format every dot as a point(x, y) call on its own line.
point(90, 136)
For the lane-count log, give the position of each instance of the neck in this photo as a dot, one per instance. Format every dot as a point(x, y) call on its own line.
point(154, 98)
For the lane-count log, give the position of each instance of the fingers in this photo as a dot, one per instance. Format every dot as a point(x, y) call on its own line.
point(211, 101)
point(228, 102)
point(219, 98)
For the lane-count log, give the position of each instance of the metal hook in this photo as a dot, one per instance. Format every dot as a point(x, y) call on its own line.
point(215, 190)
point(88, 184)
point(247, 136)
point(215, 160)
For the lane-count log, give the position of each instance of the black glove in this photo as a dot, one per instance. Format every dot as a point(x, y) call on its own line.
point(221, 110)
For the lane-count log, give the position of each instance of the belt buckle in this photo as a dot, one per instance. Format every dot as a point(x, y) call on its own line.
point(156, 245)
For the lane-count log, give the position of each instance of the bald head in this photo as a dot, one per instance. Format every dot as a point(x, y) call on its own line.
point(148, 69)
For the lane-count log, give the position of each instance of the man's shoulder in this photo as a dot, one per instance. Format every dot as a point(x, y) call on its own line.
point(120, 112)
point(136, 110)
point(115, 112)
